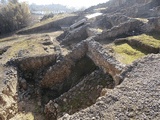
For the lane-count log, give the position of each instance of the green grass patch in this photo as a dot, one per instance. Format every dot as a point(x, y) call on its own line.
point(151, 39)
point(27, 47)
point(126, 54)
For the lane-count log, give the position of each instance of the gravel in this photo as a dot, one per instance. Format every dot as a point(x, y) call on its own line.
point(137, 97)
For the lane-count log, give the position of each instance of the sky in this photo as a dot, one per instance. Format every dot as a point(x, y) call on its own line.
point(69, 3)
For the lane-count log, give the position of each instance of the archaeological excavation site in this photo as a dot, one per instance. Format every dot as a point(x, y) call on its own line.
point(102, 63)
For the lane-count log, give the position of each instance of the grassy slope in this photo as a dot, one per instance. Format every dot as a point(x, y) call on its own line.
point(27, 46)
point(151, 40)
point(50, 20)
point(29, 43)
point(126, 54)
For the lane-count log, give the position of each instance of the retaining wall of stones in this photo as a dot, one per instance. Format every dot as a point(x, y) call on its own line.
point(8, 93)
point(93, 50)
point(62, 69)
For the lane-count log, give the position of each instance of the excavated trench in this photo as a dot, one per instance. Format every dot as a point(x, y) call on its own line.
point(82, 67)
point(77, 91)
point(50, 86)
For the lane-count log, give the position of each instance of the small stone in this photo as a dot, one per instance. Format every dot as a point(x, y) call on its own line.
point(98, 86)
point(45, 48)
point(103, 92)
point(66, 116)
point(131, 114)
point(56, 105)
point(10, 111)
point(23, 83)
point(51, 47)
point(64, 100)
point(39, 103)
point(93, 118)
point(82, 88)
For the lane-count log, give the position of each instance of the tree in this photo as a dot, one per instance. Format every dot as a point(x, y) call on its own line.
point(3, 1)
point(14, 16)
point(13, 1)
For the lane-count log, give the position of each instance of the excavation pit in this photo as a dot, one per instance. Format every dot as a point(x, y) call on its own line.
point(48, 87)
point(77, 91)
point(80, 69)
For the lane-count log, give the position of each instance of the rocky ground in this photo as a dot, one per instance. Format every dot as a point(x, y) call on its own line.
point(137, 97)
point(99, 68)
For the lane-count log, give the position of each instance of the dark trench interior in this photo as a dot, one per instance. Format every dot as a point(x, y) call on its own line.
point(82, 67)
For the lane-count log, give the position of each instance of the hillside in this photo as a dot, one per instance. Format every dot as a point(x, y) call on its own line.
point(98, 64)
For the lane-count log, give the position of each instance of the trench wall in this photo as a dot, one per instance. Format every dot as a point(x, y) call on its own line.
point(138, 44)
point(61, 70)
point(34, 63)
point(103, 60)
point(8, 93)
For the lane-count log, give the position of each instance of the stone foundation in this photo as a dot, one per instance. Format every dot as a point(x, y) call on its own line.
point(94, 51)
point(45, 78)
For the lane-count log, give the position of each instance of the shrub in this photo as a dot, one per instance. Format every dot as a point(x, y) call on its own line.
point(13, 16)
point(50, 15)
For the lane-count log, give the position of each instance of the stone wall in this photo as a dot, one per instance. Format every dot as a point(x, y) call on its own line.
point(142, 10)
point(108, 21)
point(82, 95)
point(8, 93)
point(34, 63)
point(77, 34)
point(124, 29)
point(138, 44)
point(130, 28)
point(57, 72)
point(117, 19)
point(103, 60)
point(62, 69)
